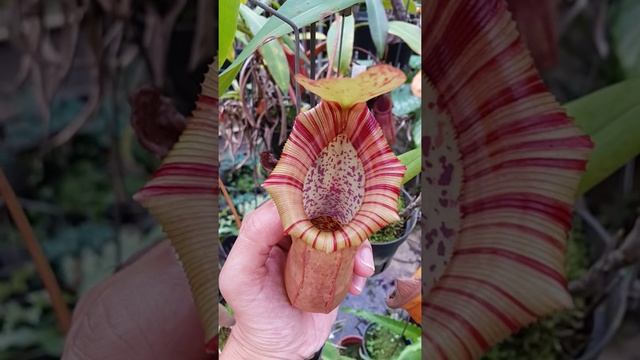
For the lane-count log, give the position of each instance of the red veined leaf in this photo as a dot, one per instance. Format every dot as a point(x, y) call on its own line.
point(182, 196)
point(502, 163)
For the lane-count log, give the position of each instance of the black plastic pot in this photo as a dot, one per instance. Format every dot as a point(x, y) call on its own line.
point(383, 252)
point(609, 315)
point(224, 247)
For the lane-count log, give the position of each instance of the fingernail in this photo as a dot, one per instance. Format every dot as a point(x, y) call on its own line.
point(366, 258)
point(358, 283)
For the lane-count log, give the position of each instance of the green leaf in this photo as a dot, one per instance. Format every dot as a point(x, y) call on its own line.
point(378, 25)
point(329, 352)
point(412, 352)
point(412, 6)
point(227, 23)
point(415, 61)
point(409, 33)
point(301, 12)
point(412, 160)
point(611, 116)
point(625, 32)
point(416, 130)
point(398, 327)
point(404, 102)
point(272, 52)
point(345, 52)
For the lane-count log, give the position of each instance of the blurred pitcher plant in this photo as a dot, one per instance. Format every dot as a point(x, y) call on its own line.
point(502, 163)
point(183, 197)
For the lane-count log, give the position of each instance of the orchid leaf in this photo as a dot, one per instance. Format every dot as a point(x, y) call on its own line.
point(376, 81)
point(416, 131)
point(272, 51)
point(378, 25)
point(611, 116)
point(228, 21)
point(502, 166)
point(412, 160)
point(340, 43)
point(404, 102)
point(412, 352)
point(409, 33)
point(301, 12)
point(182, 197)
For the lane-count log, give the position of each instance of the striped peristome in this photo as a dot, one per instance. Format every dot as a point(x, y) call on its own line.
point(500, 187)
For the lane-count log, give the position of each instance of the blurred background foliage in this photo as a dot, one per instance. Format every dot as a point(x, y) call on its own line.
point(67, 71)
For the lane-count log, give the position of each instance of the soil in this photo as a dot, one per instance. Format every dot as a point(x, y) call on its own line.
point(391, 231)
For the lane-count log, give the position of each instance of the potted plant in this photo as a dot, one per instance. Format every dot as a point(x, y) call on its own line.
point(350, 345)
point(388, 338)
point(386, 242)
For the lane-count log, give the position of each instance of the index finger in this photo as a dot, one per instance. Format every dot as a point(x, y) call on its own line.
point(261, 230)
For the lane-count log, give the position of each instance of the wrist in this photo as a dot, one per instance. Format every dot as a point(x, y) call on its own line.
point(238, 348)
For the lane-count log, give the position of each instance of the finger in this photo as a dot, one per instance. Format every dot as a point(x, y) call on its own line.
point(363, 265)
point(136, 314)
point(261, 230)
point(357, 284)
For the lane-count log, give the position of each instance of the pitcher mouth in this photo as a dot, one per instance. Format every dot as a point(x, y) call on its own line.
point(335, 190)
point(338, 181)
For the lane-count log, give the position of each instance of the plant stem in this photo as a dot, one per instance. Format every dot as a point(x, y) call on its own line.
point(417, 201)
point(62, 313)
point(229, 202)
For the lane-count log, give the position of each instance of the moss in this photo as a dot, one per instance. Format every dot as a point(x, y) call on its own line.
point(352, 351)
point(382, 344)
point(391, 231)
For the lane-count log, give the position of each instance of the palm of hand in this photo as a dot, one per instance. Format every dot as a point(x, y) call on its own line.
point(266, 312)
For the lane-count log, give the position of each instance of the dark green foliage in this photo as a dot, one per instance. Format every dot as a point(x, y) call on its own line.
point(391, 231)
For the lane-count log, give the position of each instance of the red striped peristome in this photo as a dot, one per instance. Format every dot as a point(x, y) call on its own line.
point(336, 164)
point(182, 197)
point(502, 164)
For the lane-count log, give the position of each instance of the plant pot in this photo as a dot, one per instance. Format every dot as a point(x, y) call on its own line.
point(608, 316)
point(367, 337)
point(383, 252)
point(224, 247)
point(351, 341)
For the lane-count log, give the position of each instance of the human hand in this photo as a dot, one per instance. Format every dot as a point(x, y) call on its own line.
point(251, 281)
point(144, 311)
